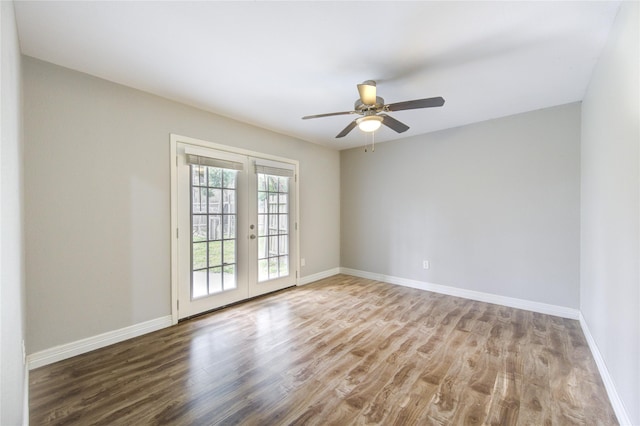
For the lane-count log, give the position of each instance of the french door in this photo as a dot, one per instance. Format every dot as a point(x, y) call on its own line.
point(236, 227)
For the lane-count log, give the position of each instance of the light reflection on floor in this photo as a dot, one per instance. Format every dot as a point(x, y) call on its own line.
point(214, 349)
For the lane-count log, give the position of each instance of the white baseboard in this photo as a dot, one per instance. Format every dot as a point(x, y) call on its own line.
point(68, 350)
point(616, 402)
point(59, 353)
point(308, 279)
point(543, 308)
point(25, 397)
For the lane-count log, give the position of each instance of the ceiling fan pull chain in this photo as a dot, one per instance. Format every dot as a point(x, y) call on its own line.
point(373, 142)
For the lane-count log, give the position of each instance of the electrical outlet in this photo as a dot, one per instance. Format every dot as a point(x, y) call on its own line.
point(425, 264)
point(303, 262)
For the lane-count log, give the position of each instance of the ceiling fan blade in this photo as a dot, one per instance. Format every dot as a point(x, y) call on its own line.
point(418, 103)
point(393, 124)
point(329, 114)
point(347, 129)
point(367, 92)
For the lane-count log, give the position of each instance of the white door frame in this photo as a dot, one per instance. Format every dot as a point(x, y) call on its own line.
point(175, 139)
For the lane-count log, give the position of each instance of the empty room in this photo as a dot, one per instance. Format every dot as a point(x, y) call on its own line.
point(266, 213)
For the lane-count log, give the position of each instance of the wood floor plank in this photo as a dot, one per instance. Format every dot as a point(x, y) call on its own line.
point(343, 350)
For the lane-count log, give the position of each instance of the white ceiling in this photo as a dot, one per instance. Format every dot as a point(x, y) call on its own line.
point(270, 63)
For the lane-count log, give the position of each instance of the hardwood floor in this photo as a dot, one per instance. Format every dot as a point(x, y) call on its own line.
point(341, 351)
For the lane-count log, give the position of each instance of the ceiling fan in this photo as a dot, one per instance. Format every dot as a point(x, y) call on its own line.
point(372, 109)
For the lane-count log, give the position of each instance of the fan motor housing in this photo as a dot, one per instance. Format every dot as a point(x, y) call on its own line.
point(363, 108)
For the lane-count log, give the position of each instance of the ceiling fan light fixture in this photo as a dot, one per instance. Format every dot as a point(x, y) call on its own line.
point(370, 123)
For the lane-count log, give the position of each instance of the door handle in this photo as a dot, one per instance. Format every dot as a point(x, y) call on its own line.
point(252, 236)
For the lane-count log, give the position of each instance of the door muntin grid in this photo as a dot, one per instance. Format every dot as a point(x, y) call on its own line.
point(214, 233)
point(273, 226)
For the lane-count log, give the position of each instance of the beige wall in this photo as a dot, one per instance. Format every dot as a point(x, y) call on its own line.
point(493, 206)
point(12, 281)
point(97, 190)
point(610, 232)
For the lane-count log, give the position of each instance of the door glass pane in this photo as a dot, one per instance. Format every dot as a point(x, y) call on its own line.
point(215, 227)
point(283, 203)
point(273, 267)
point(215, 201)
point(229, 276)
point(262, 202)
point(273, 224)
point(200, 200)
point(198, 175)
point(283, 224)
point(262, 248)
point(273, 227)
point(215, 253)
point(284, 265)
point(215, 177)
point(229, 178)
point(228, 226)
point(199, 256)
point(213, 223)
point(215, 280)
point(284, 245)
point(199, 227)
point(229, 255)
point(229, 197)
point(284, 184)
point(195, 201)
point(199, 280)
point(273, 203)
point(272, 183)
point(273, 246)
point(263, 269)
